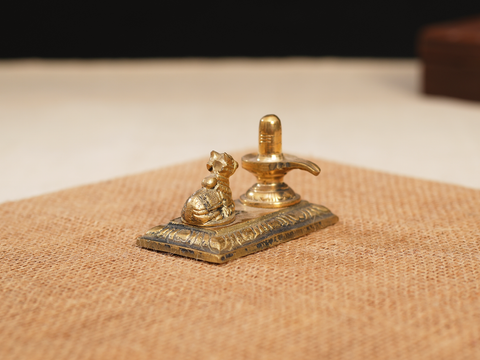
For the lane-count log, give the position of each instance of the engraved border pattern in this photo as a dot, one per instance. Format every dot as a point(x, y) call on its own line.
point(251, 236)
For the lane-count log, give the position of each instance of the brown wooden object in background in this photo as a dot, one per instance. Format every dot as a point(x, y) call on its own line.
point(450, 54)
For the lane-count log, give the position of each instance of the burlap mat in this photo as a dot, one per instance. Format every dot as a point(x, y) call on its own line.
point(396, 278)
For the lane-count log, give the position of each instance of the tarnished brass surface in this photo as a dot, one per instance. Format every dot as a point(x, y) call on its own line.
point(254, 229)
point(212, 205)
point(270, 165)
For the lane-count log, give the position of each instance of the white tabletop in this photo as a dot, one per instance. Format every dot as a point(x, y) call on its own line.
point(66, 123)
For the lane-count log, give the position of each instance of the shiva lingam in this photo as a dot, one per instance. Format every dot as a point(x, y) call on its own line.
point(215, 228)
point(270, 165)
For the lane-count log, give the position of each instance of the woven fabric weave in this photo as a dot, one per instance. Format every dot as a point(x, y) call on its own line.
point(398, 277)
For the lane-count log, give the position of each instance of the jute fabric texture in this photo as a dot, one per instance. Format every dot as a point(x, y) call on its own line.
point(397, 278)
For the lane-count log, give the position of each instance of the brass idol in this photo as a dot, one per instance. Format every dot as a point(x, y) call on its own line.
point(214, 228)
point(213, 205)
point(270, 165)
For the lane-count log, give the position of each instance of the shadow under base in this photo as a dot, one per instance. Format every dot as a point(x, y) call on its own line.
point(254, 229)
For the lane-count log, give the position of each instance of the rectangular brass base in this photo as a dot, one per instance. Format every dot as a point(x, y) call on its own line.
point(254, 229)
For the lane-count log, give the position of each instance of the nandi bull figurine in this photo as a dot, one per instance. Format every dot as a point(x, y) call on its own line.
point(213, 205)
point(214, 228)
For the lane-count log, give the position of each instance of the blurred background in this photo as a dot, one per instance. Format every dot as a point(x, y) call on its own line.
point(108, 29)
point(94, 90)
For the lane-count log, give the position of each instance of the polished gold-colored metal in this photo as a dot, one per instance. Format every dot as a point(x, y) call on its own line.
point(212, 205)
point(254, 229)
point(270, 165)
point(214, 228)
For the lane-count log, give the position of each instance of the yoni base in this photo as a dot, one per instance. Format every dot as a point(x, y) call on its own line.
point(254, 229)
